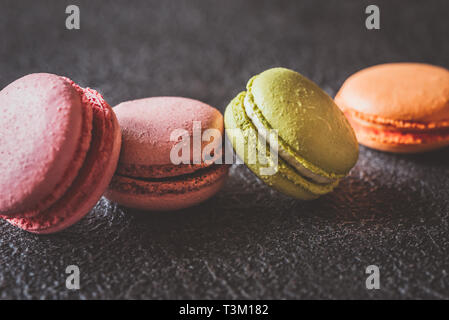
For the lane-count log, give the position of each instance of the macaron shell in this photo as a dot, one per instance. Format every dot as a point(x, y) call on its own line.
point(307, 120)
point(157, 120)
point(402, 148)
point(165, 195)
point(398, 91)
point(285, 179)
point(93, 178)
point(46, 134)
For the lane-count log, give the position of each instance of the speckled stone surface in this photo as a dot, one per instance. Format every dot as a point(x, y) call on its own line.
point(248, 241)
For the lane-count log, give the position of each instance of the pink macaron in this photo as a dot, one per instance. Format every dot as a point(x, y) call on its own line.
point(59, 146)
point(151, 174)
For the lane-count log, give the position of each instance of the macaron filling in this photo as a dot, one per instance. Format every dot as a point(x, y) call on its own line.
point(398, 133)
point(170, 185)
point(163, 170)
point(277, 143)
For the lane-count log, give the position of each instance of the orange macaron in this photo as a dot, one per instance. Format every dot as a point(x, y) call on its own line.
point(398, 107)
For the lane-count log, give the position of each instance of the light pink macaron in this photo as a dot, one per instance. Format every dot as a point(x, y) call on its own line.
point(149, 176)
point(59, 146)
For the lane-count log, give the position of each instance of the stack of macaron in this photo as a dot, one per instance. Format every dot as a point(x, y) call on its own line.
point(62, 147)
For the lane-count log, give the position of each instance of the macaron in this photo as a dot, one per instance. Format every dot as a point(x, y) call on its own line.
point(398, 107)
point(289, 116)
point(59, 146)
point(169, 160)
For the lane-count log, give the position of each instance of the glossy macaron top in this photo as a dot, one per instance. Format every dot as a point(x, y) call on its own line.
point(309, 123)
point(41, 131)
point(398, 92)
point(151, 128)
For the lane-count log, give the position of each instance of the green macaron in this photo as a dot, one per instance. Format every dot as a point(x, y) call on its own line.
point(311, 144)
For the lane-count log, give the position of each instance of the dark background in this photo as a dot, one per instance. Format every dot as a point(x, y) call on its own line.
point(248, 241)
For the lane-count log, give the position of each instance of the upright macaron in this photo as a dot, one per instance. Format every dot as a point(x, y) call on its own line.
point(169, 154)
point(398, 107)
point(59, 146)
point(314, 142)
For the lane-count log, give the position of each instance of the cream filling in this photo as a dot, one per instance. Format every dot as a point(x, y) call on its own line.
point(274, 144)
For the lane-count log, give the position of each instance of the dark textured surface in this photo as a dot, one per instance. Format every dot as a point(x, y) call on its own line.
point(248, 241)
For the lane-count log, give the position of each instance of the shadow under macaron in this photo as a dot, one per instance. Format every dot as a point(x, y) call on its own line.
point(360, 198)
point(439, 158)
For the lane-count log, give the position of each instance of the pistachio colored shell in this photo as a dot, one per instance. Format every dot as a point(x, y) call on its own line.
point(240, 132)
point(307, 119)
